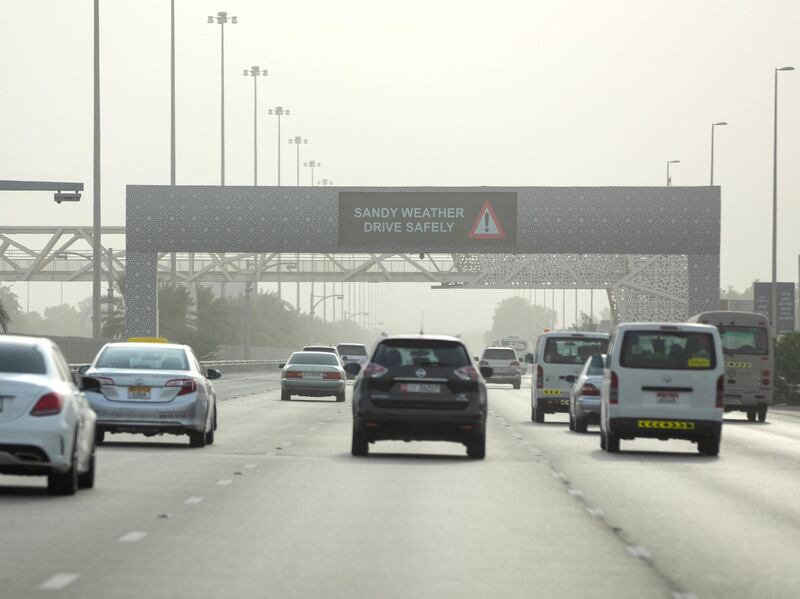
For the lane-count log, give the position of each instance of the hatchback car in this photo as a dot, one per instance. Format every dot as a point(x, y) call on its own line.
point(420, 388)
point(46, 425)
point(312, 374)
point(505, 365)
point(152, 389)
point(584, 398)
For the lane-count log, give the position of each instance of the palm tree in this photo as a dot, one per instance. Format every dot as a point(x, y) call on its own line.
point(5, 318)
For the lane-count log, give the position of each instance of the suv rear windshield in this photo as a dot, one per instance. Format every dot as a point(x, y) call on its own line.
point(415, 352)
point(744, 340)
point(499, 354)
point(303, 357)
point(324, 348)
point(21, 359)
point(668, 350)
point(572, 350)
point(143, 358)
point(352, 350)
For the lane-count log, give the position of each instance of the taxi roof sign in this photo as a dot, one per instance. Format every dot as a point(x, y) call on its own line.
point(147, 340)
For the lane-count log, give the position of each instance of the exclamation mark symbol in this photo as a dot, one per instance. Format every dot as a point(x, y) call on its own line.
point(486, 221)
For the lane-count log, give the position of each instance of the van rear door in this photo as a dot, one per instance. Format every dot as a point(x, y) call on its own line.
point(561, 359)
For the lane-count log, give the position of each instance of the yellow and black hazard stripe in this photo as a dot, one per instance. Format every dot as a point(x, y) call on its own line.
point(738, 364)
point(553, 392)
point(674, 425)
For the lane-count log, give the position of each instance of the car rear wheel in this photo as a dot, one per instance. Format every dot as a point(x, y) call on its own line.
point(197, 438)
point(536, 414)
point(612, 443)
point(708, 446)
point(340, 396)
point(86, 480)
point(476, 447)
point(518, 385)
point(762, 412)
point(99, 436)
point(210, 433)
point(581, 426)
point(285, 396)
point(65, 483)
point(360, 445)
point(602, 439)
point(571, 423)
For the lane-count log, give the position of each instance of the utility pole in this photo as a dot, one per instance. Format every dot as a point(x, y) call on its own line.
point(255, 72)
point(279, 111)
point(221, 19)
point(97, 247)
point(298, 141)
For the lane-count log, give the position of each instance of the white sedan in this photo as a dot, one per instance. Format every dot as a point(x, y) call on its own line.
point(46, 425)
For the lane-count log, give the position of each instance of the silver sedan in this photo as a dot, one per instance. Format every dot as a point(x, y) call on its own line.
point(584, 396)
point(152, 389)
point(312, 374)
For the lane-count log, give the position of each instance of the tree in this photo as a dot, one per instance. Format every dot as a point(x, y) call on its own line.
point(517, 316)
point(5, 318)
point(787, 368)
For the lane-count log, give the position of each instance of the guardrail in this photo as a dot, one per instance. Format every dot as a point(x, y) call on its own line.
point(229, 365)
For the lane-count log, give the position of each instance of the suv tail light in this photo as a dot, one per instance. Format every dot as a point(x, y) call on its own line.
point(186, 385)
point(721, 392)
point(332, 376)
point(48, 405)
point(588, 389)
point(374, 371)
point(539, 377)
point(467, 373)
point(613, 391)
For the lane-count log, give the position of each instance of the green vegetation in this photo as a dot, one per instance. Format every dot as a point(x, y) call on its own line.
point(787, 368)
point(517, 316)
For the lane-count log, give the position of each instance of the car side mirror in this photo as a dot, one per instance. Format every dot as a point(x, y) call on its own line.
point(82, 369)
point(353, 368)
point(476, 358)
point(529, 358)
point(281, 366)
point(213, 374)
point(89, 384)
point(486, 372)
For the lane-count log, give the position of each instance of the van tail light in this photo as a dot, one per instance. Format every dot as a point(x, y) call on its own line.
point(514, 363)
point(590, 390)
point(293, 374)
point(186, 385)
point(48, 405)
point(374, 371)
point(539, 377)
point(331, 376)
point(467, 373)
point(613, 390)
point(721, 392)
point(765, 380)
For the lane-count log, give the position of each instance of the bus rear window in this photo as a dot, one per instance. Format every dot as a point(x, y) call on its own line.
point(744, 340)
point(572, 350)
point(668, 350)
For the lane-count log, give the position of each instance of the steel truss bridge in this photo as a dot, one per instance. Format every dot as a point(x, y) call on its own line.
point(638, 286)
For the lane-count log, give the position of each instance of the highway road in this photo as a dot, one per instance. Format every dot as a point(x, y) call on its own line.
point(277, 507)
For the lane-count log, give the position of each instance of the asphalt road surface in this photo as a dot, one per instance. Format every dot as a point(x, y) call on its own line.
point(277, 507)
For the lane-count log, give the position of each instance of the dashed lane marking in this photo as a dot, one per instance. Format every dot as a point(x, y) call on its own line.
point(193, 500)
point(574, 492)
point(248, 466)
point(638, 551)
point(596, 512)
point(132, 537)
point(224, 482)
point(58, 582)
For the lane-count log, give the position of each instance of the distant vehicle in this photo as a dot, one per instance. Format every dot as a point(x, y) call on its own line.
point(352, 353)
point(420, 388)
point(324, 348)
point(523, 348)
point(749, 360)
point(584, 397)
point(664, 381)
point(560, 356)
point(47, 427)
point(313, 374)
point(505, 365)
point(152, 388)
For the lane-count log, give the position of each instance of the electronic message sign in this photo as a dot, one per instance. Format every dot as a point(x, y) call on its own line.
point(428, 219)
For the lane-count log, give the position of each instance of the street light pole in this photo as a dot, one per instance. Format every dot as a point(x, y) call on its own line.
point(313, 310)
point(774, 315)
point(96, 220)
point(298, 140)
point(255, 72)
point(312, 164)
point(720, 124)
point(279, 111)
point(221, 19)
point(669, 179)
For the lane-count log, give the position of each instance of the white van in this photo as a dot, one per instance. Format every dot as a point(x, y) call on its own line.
point(749, 360)
point(664, 381)
point(558, 361)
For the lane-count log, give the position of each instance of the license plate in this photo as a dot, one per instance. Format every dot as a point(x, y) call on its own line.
point(419, 388)
point(138, 392)
point(667, 397)
point(675, 425)
point(312, 375)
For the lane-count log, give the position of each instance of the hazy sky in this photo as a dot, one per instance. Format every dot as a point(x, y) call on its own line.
point(434, 92)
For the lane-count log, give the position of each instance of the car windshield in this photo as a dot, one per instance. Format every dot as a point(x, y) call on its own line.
point(499, 354)
point(572, 350)
point(142, 358)
point(668, 350)
point(415, 352)
point(352, 350)
point(21, 359)
point(303, 357)
point(744, 340)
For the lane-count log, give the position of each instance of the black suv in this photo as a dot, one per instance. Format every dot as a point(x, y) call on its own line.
point(420, 388)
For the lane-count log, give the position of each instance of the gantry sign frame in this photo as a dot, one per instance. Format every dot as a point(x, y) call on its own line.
point(668, 238)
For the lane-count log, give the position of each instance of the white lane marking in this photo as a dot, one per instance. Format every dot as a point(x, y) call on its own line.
point(224, 482)
point(313, 428)
point(132, 537)
point(638, 551)
point(286, 443)
point(575, 492)
point(193, 500)
point(558, 474)
point(250, 465)
point(58, 582)
point(596, 512)
point(683, 595)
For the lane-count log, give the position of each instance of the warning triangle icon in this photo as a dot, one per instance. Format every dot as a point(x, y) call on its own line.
point(487, 225)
